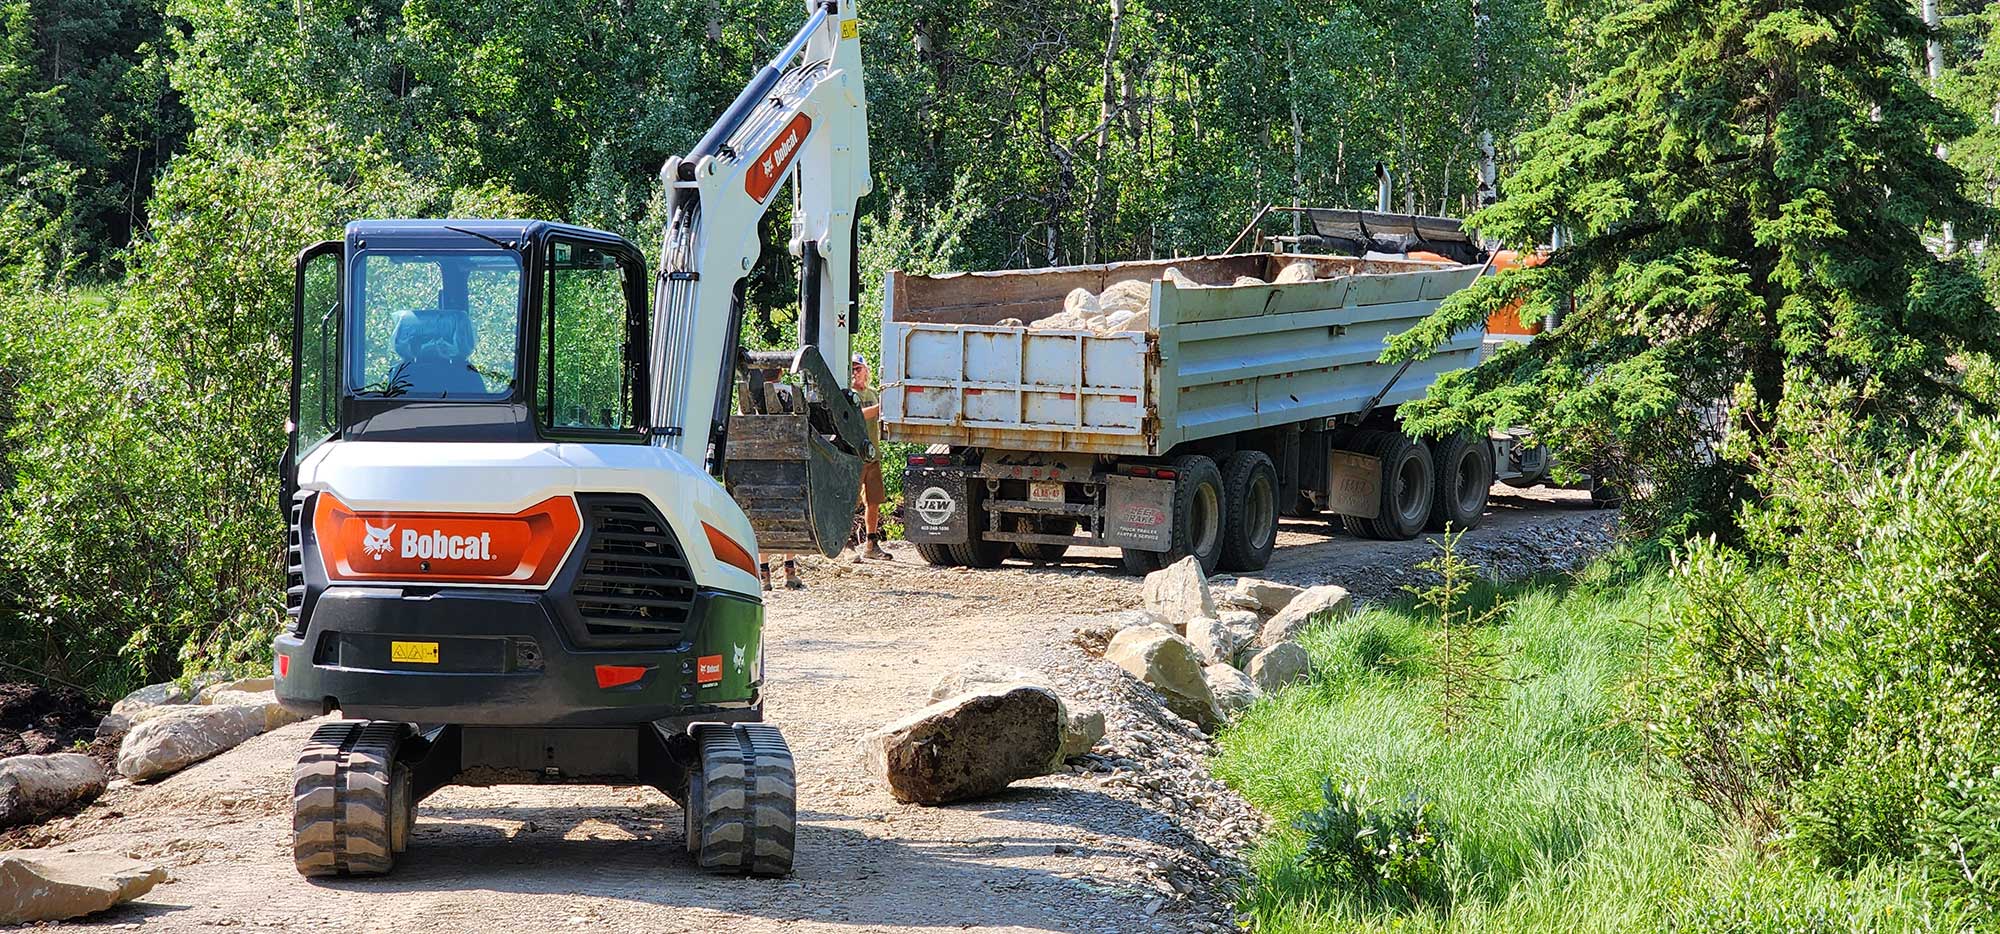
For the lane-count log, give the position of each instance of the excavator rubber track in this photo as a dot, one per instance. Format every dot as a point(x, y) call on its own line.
point(352, 803)
point(742, 810)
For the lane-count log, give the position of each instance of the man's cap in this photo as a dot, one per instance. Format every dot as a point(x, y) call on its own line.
point(860, 360)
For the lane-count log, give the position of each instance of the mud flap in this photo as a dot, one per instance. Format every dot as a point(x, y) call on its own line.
point(1353, 484)
point(1139, 513)
point(937, 507)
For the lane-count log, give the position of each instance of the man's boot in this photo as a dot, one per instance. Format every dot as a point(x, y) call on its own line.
point(874, 550)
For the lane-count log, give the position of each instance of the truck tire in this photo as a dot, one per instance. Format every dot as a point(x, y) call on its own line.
point(1046, 525)
point(1407, 485)
point(1464, 468)
point(977, 552)
point(1198, 512)
point(742, 808)
point(1139, 563)
point(1250, 511)
point(937, 556)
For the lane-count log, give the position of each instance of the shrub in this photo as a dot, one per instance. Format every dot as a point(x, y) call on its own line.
point(1842, 696)
point(1386, 855)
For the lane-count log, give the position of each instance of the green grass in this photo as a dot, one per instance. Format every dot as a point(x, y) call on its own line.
point(1551, 814)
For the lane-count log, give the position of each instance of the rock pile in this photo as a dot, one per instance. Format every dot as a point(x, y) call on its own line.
point(1208, 663)
point(1156, 758)
point(163, 728)
point(1128, 305)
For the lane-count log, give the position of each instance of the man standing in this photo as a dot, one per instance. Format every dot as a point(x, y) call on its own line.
point(872, 493)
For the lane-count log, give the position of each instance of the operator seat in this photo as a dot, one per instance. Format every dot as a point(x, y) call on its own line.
point(434, 347)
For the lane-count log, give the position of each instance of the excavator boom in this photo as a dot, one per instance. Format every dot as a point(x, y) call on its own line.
point(795, 468)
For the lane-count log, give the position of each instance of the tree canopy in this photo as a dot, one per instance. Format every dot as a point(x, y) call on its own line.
point(1752, 197)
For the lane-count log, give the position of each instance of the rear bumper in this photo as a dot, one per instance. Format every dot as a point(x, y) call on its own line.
point(502, 659)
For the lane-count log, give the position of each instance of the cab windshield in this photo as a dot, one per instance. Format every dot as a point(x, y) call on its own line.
point(436, 324)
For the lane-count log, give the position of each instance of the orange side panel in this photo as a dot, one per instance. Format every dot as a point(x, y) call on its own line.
point(1508, 320)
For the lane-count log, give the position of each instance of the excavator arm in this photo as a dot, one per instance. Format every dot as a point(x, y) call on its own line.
point(804, 116)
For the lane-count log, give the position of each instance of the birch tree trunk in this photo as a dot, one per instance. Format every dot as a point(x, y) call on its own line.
point(1107, 112)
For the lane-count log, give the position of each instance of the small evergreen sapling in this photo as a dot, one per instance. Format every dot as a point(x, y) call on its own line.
point(1468, 669)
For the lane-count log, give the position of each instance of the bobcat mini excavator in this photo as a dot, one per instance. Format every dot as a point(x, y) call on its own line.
point(512, 556)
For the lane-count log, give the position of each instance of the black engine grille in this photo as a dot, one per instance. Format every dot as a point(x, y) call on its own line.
point(295, 564)
point(634, 585)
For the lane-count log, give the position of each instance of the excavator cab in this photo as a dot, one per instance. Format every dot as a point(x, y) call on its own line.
point(527, 331)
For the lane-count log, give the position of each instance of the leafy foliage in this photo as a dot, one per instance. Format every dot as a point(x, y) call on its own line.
point(1745, 193)
point(1387, 854)
point(1843, 697)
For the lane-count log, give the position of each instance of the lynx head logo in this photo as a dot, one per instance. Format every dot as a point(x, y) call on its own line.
point(739, 656)
point(377, 540)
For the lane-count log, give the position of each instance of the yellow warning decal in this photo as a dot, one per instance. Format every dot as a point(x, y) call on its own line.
point(421, 653)
point(849, 28)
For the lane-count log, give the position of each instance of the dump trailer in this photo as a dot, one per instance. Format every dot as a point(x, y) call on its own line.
point(1241, 396)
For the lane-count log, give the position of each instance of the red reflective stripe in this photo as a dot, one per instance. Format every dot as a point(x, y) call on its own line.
point(612, 676)
point(1128, 398)
point(284, 665)
point(728, 551)
point(1066, 395)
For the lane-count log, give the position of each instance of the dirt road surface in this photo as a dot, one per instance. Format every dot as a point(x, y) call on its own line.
point(1076, 852)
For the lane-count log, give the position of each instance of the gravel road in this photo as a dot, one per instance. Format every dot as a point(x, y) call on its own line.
point(1095, 849)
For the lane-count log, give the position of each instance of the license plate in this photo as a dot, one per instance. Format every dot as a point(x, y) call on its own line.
point(1046, 492)
point(419, 653)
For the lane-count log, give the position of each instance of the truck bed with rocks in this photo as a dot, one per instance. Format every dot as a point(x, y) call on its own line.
point(1171, 407)
point(1138, 358)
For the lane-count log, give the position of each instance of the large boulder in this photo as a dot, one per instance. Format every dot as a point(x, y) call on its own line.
point(1232, 688)
point(978, 676)
point(1171, 666)
point(35, 787)
point(1179, 592)
point(183, 736)
point(1082, 727)
point(245, 685)
point(1216, 641)
point(1278, 665)
point(275, 714)
point(1269, 596)
point(38, 885)
point(1313, 605)
point(970, 745)
point(1233, 599)
point(152, 695)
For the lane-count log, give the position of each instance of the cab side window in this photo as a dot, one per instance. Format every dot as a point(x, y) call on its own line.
point(587, 376)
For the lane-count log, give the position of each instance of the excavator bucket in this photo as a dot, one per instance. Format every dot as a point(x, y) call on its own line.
point(798, 489)
point(793, 456)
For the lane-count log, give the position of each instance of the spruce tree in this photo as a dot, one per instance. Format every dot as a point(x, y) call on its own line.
point(1746, 193)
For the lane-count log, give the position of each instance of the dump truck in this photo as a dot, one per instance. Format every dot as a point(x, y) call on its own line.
point(1251, 389)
